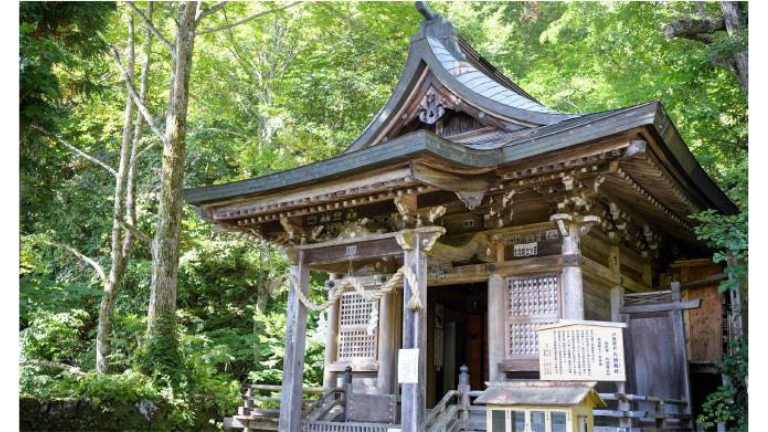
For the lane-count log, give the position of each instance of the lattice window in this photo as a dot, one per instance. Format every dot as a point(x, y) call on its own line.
point(356, 340)
point(532, 302)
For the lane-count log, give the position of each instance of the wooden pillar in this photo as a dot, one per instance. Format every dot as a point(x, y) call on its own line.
point(571, 229)
point(617, 302)
point(347, 387)
point(572, 280)
point(293, 362)
point(679, 335)
point(387, 343)
point(331, 345)
point(617, 292)
point(464, 388)
point(496, 322)
point(416, 243)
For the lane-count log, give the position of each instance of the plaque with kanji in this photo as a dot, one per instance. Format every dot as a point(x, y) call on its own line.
point(582, 350)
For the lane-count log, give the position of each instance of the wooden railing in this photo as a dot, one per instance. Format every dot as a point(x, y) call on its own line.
point(638, 410)
point(327, 426)
point(321, 407)
point(260, 410)
point(441, 408)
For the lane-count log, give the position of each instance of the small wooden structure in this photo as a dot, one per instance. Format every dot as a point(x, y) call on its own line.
point(541, 406)
point(466, 216)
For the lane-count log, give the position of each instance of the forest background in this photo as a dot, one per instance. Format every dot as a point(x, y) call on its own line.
point(292, 84)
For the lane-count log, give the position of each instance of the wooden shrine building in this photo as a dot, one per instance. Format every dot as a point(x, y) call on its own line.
point(465, 216)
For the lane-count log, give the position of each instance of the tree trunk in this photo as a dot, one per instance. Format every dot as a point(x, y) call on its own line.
point(117, 257)
point(130, 192)
point(734, 26)
point(161, 343)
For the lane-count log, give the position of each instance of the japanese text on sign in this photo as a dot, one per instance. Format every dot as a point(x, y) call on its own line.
point(582, 350)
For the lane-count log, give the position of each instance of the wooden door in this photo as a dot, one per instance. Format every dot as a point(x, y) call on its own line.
point(475, 347)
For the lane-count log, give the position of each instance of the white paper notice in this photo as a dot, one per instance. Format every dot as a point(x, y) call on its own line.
point(408, 366)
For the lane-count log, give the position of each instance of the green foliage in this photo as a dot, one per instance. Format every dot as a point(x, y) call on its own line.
point(195, 392)
point(59, 58)
point(55, 336)
point(728, 235)
point(729, 403)
point(159, 356)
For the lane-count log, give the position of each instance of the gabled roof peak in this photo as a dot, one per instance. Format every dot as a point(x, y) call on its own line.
point(425, 10)
point(437, 27)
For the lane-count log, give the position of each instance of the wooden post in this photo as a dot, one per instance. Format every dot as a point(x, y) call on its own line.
point(573, 283)
point(464, 389)
point(571, 229)
point(387, 347)
point(496, 321)
point(331, 345)
point(617, 302)
point(416, 243)
point(293, 362)
point(679, 334)
point(347, 386)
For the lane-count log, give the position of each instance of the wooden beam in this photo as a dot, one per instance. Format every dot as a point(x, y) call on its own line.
point(597, 270)
point(293, 362)
point(662, 307)
point(543, 264)
point(316, 195)
point(518, 365)
point(361, 250)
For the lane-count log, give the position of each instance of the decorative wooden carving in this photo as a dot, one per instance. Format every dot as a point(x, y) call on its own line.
point(580, 194)
point(620, 226)
point(432, 107)
point(409, 216)
point(500, 209)
point(294, 232)
point(471, 199)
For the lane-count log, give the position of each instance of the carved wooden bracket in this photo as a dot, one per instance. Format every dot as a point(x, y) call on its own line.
point(426, 235)
point(471, 199)
point(621, 227)
point(411, 216)
point(500, 208)
point(566, 223)
point(294, 233)
point(580, 194)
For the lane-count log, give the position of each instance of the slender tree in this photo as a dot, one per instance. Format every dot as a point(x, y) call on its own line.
point(124, 204)
point(161, 325)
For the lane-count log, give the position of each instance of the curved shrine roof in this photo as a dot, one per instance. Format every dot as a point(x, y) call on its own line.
point(514, 125)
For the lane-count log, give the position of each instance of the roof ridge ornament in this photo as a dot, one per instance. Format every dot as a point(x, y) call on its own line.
point(437, 27)
point(425, 10)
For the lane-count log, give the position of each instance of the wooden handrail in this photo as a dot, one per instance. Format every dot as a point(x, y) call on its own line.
point(634, 397)
point(704, 282)
point(319, 403)
point(272, 387)
point(440, 407)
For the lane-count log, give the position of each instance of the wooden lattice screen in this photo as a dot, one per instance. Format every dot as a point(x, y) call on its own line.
point(356, 342)
point(532, 301)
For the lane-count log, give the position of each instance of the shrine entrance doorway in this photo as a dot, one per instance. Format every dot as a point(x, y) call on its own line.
point(457, 334)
